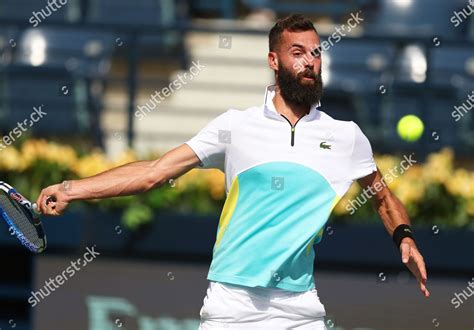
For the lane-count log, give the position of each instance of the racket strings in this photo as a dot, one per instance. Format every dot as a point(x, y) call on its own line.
point(22, 221)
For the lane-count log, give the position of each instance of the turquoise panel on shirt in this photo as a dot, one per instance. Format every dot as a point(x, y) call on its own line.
point(280, 208)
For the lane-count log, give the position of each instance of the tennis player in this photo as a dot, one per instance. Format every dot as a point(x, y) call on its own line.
point(286, 165)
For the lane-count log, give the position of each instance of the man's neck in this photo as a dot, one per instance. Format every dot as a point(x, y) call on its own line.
point(290, 111)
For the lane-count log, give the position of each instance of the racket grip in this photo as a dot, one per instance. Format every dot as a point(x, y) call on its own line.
point(36, 210)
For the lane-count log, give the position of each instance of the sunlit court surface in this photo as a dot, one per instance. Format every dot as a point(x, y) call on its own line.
point(251, 164)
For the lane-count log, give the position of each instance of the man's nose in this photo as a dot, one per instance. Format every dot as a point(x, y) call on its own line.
point(309, 62)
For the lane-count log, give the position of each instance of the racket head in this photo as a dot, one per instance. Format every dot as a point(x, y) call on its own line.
point(22, 219)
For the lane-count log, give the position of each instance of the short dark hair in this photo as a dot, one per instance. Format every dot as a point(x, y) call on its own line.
point(292, 23)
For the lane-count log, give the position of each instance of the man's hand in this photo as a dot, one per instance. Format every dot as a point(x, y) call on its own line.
point(393, 213)
point(57, 204)
point(413, 259)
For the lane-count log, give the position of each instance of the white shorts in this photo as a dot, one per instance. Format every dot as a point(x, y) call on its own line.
point(229, 306)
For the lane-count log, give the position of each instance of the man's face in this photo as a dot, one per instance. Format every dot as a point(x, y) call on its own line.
point(298, 68)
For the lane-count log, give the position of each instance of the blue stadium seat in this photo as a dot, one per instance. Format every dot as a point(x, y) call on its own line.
point(85, 52)
point(336, 9)
point(434, 107)
point(416, 18)
point(169, 43)
point(398, 103)
point(228, 8)
point(358, 65)
point(470, 28)
point(62, 95)
point(362, 69)
point(452, 66)
point(125, 12)
point(439, 119)
point(39, 11)
point(8, 44)
point(339, 106)
point(224, 8)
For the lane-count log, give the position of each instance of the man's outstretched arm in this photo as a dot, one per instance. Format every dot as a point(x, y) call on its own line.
point(128, 179)
point(393, 213)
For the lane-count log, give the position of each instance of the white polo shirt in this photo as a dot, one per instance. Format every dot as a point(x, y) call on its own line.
point(281, 183)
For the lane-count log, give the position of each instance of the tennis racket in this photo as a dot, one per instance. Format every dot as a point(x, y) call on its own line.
point(22, 218)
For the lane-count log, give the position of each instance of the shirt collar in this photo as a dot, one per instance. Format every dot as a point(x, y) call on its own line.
point(270, 111)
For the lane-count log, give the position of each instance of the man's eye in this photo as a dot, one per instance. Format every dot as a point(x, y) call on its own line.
point(297, 54)
point(316, 53)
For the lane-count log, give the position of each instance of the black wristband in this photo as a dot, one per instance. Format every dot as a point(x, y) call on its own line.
point(401, 232)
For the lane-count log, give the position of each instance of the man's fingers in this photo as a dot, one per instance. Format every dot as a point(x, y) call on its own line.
point(422, 269)
point(424, 289)
point(46, 204)
point(51, 206)
point(420, 265)
point(418, 269)
point(41, 203)
point(405, 251)
point(413, 267)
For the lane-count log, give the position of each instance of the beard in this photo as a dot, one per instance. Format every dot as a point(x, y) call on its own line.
point(298, 92)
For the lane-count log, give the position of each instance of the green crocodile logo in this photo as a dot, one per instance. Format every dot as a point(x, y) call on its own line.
point(323, 145)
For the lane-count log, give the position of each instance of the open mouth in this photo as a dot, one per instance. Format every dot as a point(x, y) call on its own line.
point(310, 78)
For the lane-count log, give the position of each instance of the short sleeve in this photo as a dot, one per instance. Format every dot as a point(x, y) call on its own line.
point(362, 158)
point(209, 144)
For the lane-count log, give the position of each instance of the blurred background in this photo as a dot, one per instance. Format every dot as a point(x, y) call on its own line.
point(86, 85)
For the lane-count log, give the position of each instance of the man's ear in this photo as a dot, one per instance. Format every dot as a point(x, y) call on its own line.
point(273, 61)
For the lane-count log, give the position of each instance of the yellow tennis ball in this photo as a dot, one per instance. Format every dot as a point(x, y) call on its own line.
point(410, 128)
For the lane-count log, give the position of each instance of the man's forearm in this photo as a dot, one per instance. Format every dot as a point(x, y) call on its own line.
point(124, 180)
point(392, 212)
